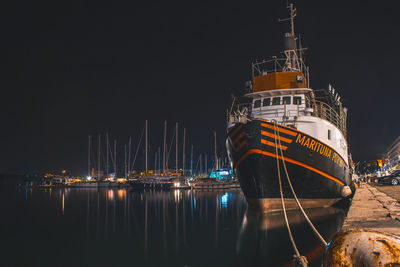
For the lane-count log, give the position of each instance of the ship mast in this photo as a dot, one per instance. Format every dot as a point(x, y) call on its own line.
point(293, 62)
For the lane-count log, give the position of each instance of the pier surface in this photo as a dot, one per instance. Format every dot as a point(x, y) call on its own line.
point(373, 210)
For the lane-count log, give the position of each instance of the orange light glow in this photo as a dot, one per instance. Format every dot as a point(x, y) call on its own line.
point(62, 203)
point(121, 193)
point(110, 194)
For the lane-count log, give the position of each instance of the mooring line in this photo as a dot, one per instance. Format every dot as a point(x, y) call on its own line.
point(302, 260)
point(297, 201)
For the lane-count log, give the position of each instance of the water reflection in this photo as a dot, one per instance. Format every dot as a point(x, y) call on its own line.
point(123, 227)
point(264, 239)
point(62, 203)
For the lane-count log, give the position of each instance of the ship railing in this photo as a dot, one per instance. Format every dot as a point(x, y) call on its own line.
point(268, 66)
point(318, 109)
point(277, 65)
point(278, 112)
point(326, 112)
point(242, 111)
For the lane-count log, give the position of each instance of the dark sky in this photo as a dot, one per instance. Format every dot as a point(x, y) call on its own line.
point(74, 68)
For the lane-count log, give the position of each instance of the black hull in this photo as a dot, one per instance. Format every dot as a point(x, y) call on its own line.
point(318, 174)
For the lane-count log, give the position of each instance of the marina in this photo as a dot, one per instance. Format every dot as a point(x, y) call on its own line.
point(200, 134)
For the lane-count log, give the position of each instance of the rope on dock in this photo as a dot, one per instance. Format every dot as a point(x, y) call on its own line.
point(299, 260)
point(294, 194)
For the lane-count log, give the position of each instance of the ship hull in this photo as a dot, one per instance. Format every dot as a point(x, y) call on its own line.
point(317, 172)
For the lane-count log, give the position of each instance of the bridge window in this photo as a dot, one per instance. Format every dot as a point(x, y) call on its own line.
point(257, 103)
point(286, 100)
point(297, 100)
point(267, 102)
point(276, 101)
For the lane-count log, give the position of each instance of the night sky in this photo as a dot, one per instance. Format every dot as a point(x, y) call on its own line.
point(70, 69)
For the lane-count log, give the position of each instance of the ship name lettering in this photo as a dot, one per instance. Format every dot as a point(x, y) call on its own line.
point(319, 148)
point(307, 143)
point(312, 144)
point(299, 139)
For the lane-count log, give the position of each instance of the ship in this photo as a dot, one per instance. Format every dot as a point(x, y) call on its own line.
point(285, 138)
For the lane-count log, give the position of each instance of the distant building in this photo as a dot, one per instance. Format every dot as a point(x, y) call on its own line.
point(393, 152)
point(369, 167)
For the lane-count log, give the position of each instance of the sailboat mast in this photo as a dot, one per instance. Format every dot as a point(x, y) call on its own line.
point(155, 162)
point(125, 165)
point(183, 154)
point(159, 160)
point(191, 162)
point(176, 149)
point(215, 150)
point(205, 165)
point(89, 158)
point(200, 165)
point(129, 156)
point(164, 148)
point(107, 155)
point(146, 147)
point(98, 160)
point(115, 158)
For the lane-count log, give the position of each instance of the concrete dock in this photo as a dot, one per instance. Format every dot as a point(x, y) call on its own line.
point(373, 210)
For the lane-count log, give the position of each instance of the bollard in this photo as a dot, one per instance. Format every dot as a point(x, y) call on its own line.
point(359, 247)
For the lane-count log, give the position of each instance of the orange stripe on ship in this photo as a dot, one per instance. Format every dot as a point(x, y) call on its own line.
point(279, 129)
point(238, 138)
point(242, 144)
point(266, 142)
point(235, 131)
point(284, 139)
point(259, 151)
point(256, 119)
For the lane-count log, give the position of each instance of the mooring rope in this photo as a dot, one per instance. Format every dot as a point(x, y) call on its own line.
point(300, 260)
point(295, 196)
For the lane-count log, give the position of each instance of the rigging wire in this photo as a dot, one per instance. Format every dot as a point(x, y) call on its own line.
point(137, 148)
point(170, 147)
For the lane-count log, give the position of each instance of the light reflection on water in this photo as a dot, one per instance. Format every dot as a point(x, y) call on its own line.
point(123, 227)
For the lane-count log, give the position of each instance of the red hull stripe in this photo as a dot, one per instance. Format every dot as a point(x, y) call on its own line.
point(287, 140)
point(259, 151)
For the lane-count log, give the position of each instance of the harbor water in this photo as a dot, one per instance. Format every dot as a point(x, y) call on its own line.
point(125, 227)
